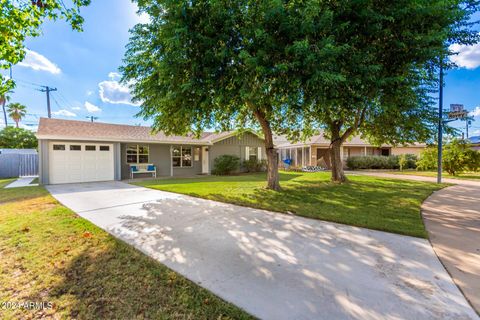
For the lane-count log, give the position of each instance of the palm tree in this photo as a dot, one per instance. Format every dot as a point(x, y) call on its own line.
point(16, 111)
point(3, 100)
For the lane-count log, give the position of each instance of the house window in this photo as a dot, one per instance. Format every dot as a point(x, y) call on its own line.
point(181, 157)
point(136, 153)
point(385, 152)
point(196, 154)
point(90, 148)
point(59, 147)
point(75, 147)
point(104, 148)
point(251, 153)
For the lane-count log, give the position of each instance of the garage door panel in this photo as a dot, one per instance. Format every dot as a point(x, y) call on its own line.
point(70, 165)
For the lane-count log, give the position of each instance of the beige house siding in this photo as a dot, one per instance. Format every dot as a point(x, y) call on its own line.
point(407, 150)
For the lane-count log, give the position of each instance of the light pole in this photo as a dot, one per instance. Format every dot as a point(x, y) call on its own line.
point(440, 125)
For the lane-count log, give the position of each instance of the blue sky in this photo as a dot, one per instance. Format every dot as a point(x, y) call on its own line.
point(83, 66)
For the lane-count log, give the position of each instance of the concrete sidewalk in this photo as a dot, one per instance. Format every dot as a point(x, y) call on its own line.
point(22, 182)
point(275, 266)
point(452, 219)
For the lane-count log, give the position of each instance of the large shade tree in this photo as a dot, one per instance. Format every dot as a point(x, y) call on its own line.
point(17, 138)
point(381, 68)
point(20, 19)
point(217, 64)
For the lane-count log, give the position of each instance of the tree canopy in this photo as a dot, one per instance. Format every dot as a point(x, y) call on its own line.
point(23, 18)
point(350, 67)
point(17, 138)
point(16, 111)
point(216, 64)
point(381, 71)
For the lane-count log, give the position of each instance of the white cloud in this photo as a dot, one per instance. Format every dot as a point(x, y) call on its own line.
point(467, 57)
point(64, 113)
point(476, 132)
point(89, 92)
point(475, 112)
point(111, 91)
point(91, 107)
point(38, 62)
point(114, 76)
point(76, 108)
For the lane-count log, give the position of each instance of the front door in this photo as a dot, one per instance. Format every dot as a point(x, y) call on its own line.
point(205, 160)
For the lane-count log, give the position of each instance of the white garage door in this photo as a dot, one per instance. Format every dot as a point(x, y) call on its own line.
point(71, 162)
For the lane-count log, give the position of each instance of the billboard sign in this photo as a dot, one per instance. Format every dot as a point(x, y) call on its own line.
point(457, 111)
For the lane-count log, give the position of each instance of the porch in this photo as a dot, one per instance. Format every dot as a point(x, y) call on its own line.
point(319, 155)
point(169, 160)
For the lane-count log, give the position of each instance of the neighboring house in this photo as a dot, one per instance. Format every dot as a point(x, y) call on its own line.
point(81, 151)
point(315, 151)
point(475, 142)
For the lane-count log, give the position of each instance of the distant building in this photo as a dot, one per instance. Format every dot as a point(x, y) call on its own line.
point(315, 151)
point(475, 142)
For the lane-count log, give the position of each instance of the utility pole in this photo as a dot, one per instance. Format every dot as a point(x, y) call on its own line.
point(466, 125)
point(91, 118)
point(48, 90)
point(440, 125)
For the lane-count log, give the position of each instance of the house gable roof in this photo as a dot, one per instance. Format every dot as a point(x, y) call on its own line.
point(97, 131)
point(319, 139)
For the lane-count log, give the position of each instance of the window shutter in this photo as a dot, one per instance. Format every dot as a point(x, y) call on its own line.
point(259, 153)
point(247, 153)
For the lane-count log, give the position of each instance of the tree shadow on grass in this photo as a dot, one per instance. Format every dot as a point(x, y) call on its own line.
point(392, 206)
point(119, 282)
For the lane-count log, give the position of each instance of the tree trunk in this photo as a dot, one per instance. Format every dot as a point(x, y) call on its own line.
point(272, 156)
point(4, 112)
point(16, 123)
point(338, 175)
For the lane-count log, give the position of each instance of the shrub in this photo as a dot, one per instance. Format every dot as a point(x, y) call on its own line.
point(254, 165)
point(472, 160)
point(402, 161)
point(372, 162)
point(457, 157)
point(225, 165)
point(428, 159)
point(411, 161)
point(454, 157)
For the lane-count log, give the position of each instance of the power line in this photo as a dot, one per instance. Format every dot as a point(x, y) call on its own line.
point(66, 101)
point(29, 83)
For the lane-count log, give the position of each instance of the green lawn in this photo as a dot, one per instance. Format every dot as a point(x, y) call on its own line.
point(49, 254)
point(383, 204)
point(463, 176)
point(4, 182)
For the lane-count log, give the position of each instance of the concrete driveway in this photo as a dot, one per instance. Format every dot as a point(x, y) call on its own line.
point(272, 265)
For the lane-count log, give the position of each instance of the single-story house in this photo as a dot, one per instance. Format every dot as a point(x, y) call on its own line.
point(80, 151)
point(474, 143)
point(315, 151)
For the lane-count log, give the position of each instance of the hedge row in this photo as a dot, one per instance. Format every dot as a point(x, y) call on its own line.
point(382, 162)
